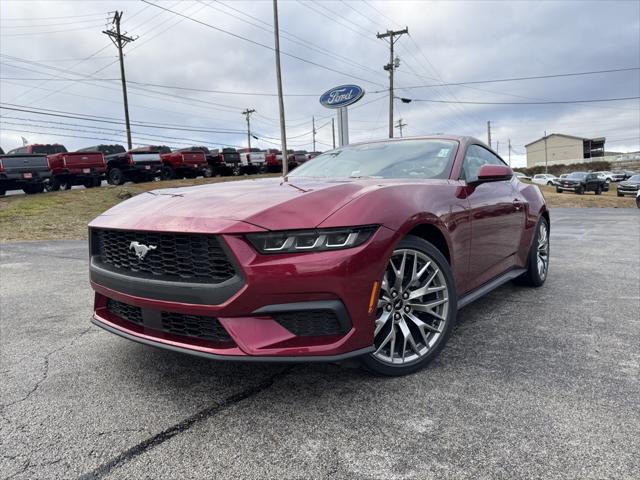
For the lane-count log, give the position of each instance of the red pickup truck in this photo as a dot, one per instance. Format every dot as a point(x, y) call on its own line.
point(68, 168)
point(185, 162)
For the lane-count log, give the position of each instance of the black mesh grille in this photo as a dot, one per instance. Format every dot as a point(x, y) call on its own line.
point(176, 256)
point(195, 326)
point(127, 312)
point(206, 328)
point(310, 323)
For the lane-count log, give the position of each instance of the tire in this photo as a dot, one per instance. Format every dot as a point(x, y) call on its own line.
point(3, 192)
point(236, 170)
point(115, 176)
point(536, 273)
point(208, 172)
point(637, 201)
point(619, 194)
point(549, 184)
point(32, 189)
point(558, 190)
point(51, 185)
point(580, 190)
point(88, 183)
point(167, 173)
point(598, 190)
point(409, 335)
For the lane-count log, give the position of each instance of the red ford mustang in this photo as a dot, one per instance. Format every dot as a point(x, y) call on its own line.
point(365, 251)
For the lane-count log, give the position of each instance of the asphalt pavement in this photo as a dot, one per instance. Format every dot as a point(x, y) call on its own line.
point(534, 383)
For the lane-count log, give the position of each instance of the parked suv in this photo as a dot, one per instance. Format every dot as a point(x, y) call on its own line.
point(629, 187)
point(580, 182)
point(68, 168)
point(544, 179)
point(137, 165)
point(24, 171)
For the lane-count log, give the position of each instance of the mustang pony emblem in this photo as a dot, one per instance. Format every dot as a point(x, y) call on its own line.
point(140, 249)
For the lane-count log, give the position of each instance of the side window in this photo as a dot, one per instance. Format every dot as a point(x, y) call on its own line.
point(475, 157)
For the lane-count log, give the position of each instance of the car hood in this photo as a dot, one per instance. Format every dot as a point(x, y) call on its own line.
point(263, 203)
point(629, 184)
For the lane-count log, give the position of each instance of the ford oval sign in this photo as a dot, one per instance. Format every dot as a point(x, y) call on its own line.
point(341, 96)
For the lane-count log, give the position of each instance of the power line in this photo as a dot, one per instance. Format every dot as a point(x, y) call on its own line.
point(113, 120)
point(591, 100)
point(31, 19)
point(294, 38)
point(260, 44)
point(516, 79)
point(91, 27)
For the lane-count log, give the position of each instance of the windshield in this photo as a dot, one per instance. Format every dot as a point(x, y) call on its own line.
point(393, 159)
point(635, 178)
point(577, 176)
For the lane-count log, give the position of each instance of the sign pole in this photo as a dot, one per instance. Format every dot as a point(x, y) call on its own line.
point(343, 127)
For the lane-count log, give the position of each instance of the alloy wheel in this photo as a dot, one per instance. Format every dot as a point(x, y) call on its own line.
point(413, 307)
point(543, 250)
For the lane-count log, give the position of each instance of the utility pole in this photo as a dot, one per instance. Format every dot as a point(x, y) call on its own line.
point(333, 132)
point(489, 132)
point(283, 130)
point(391, 66)
point(313, 129)
point(247, 113)
point(509, 152)
point(546, 169)
point(399, 126)
point(120, 40)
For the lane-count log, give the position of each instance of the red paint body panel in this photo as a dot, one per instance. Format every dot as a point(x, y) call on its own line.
point(185, 160)
point(487, 228)
point(77, 163)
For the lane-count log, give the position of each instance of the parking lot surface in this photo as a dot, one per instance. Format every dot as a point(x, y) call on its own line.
point(534, 383)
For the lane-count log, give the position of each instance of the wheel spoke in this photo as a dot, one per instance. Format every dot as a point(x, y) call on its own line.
point(422, 325)
point(381, 322)
point(400, 272)
point(428, 307)
point(386, 340)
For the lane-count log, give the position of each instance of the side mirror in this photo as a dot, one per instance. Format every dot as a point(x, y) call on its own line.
point(493, 173)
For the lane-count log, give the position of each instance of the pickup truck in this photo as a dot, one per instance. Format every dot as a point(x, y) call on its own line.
point(68, 168)
point(273, 160)
point(580, 182)
point(253, 160)
point(183, 163)
point(225, 162)
point(137, 165)
point(28, 172)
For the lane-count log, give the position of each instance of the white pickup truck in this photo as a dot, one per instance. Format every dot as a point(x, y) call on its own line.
point(253, 160)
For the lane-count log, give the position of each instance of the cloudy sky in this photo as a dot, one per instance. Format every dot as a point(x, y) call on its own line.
point(54, 57)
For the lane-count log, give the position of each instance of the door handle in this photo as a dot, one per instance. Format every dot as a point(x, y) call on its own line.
point(517, 204)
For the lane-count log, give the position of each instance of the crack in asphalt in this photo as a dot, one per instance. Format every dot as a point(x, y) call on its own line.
point(45, 372)
point(165, 435)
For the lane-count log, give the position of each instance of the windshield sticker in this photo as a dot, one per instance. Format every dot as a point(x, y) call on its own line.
point(444, 152)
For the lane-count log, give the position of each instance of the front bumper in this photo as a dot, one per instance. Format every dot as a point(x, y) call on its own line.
point(338, 281)
point(628, 191)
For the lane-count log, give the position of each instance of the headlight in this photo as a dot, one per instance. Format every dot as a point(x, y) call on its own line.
point(317, 240)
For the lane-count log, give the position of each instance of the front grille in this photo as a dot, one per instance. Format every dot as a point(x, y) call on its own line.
point(205, 328)
point(310, 323)
point(194, 326)
point(184, 257)
point(127, 312)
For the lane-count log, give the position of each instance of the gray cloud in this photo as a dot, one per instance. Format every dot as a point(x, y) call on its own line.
point(460, 40)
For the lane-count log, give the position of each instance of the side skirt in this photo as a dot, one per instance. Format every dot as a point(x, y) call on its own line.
point(489, 286)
